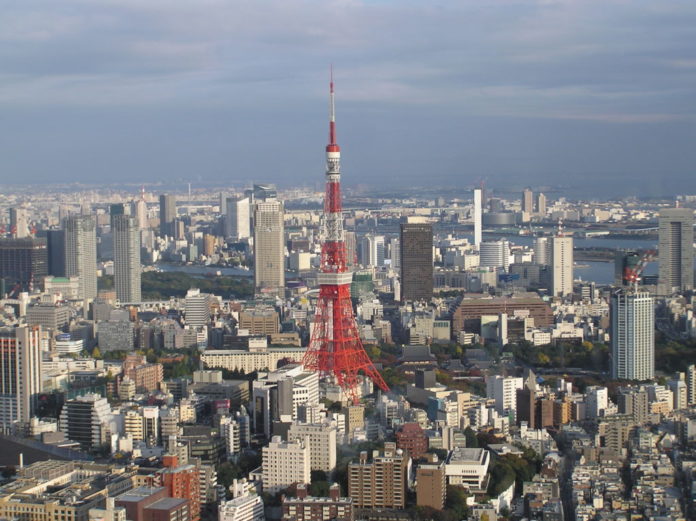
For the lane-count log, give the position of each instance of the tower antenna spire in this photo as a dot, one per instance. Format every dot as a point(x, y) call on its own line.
point(332, 110)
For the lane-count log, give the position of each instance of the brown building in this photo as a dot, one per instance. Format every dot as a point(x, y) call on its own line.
point(153, 504)
point(208, 244)
point(182, 482)
point(412, 439)
point(308, 508)
point(259, 322)
point(416, 243)
point(431, 486)
point(380, 483)
point(545, 409)
point(526, 407)
point(467, 315)
point(147, 377)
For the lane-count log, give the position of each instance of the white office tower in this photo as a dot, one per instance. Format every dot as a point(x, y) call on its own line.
point(676, 250)
point(269, 246)
point(127, 269)
point(596, 401)
point(140, 212)
point(197, 308)
point(245, 505)
point(237, 218)
point(284, 464)
point(503, 389)
point(541, 251)
point(230, 432)
point(632, 335)
point(691, 385)
point(561, 266)
point(495, 254)
point(19, 223)
point(372, 250)
point(395, 253)
point(478, 210)
point(81, 253)
point(322, 443)
point(20, 377)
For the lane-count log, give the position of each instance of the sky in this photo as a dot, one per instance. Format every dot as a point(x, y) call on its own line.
point(594, 96)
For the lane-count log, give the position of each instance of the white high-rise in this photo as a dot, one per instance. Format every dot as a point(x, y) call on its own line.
point(19, 223)
point(126, 257)
point(372, 250)
point(541, 251)
point(322, 443)
point(81, 253)
point(495, 254)
point(561, 266)
point(269, 245)
point(284, 464)
point(197, 308)
point(503, 389)
point(632, 335)
point(237, 218)
point(478, 209)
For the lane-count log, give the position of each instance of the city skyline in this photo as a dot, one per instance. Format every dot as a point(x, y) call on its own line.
point(562, 91)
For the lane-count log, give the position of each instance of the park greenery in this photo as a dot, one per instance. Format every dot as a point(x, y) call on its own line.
point(582, 355)
point(163, 285)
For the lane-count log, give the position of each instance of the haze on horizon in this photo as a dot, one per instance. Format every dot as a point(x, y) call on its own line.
point(593, 95)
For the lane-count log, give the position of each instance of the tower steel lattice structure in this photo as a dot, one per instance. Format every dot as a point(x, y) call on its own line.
point(335, 349)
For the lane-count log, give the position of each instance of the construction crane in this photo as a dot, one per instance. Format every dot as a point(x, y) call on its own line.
point(633, 270)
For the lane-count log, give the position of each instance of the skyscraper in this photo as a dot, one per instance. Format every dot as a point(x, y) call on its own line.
point(167, 214)
point(23, 262)
point(541, 204)
point(19, 223)
point(372, 250)
point(20, 377)
point(140, 211)
point(416, 243)
point(528, 201)
point(561, 265)
point(269, 248)
point(478, 209)
point(495, 254)
point(676, 250)
point(237, 218)
point(541, 251)
point(126, 255)
point(55, 241)
point(81, 253)
point(632, 335)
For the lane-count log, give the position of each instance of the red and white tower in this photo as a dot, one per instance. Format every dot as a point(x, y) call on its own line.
point(335, 349)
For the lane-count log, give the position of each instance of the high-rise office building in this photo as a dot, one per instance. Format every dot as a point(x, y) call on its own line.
point(237, 218)
point(197, 308)
point(20, 374)
point(495, 254)
point(81, 253)
point(85, 420)
point(55, 242)
point(19, 223)
point(395, 253)
point(632, 335)
point(541, 204)
point(372, 250)
point(478, 210)
point(23, 262)
point(126, 236)
point(167, 214)
point(528, 201)
point(139, 211)
point(269, 245)
point(541, 251)
point(416, 243)
point(676, 250)
point(561, 266)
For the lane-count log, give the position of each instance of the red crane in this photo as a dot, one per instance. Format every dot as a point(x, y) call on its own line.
point(632, 273)
point(335, 350)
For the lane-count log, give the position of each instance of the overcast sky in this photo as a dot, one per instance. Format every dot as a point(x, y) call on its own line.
point(588, 94)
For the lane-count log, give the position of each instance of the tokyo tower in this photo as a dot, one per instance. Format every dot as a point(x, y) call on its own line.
point(335, 349)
